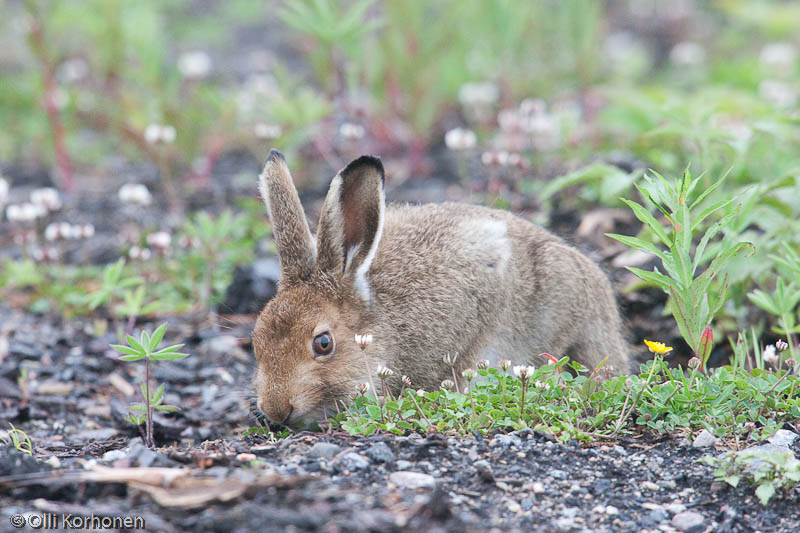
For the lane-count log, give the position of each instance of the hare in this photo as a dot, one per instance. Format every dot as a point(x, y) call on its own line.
point(424, 281)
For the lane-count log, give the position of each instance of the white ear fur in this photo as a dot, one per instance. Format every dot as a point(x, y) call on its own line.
point(352, 219)
point(360, 277)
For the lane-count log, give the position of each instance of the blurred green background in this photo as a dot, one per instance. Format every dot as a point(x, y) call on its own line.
point(546, 106)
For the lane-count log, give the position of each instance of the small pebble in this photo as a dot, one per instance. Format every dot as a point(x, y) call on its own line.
point(704, 439)
point(412, 480)
point(688, 521)
point(323, 450)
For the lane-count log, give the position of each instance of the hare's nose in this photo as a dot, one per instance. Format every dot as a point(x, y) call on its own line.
point(278, 414)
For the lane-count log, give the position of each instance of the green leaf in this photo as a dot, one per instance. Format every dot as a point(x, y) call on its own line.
point(126, 349)
point(637, 243)
point(168, 356)
point(131, 357)
point(654, 277)
point(765, 491)
point(169, 349)
point(158, 395)
point(158, 334)
point(136, 345)
point(648, 220)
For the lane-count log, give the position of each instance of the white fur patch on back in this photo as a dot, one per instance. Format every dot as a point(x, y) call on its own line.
point(487, 241)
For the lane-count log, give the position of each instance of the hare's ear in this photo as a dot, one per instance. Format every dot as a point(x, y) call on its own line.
point(351, 222)
point(293, 239)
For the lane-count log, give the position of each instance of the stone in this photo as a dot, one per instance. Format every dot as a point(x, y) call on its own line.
point(688, 522)
point(412, 480)
point(403, 464)
point(675, 507)
point(649, 485)
point(323, 450)
point(484, 470)
point(252, 287)
point(558, 474)
point(350, 462)
point(704, 439)
point(380, 452)
point(783, 437)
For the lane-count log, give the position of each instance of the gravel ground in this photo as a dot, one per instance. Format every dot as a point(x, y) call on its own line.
point(208, 477)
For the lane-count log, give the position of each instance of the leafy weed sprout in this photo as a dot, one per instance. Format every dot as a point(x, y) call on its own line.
point(695, 298)
point(20, 440)
point(769, 471)
point(146, 347)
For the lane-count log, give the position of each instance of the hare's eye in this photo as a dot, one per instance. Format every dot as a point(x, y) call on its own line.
point(323, 344)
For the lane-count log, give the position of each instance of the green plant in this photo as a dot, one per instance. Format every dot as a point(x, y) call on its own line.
point(769, 471)
point(113, 285)
point(783, 302)
point(570, 402)
point(20, 440)
point(146, 347)
point(203, 271)
point(695, 298)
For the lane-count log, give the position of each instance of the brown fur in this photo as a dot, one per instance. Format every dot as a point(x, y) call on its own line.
point(445, 278)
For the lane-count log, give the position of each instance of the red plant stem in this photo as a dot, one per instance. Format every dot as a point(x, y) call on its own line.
point(147, 403)
point(37, 45)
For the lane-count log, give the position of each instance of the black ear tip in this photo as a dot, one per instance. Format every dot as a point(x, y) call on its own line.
point(275, 155)
point(365, 161)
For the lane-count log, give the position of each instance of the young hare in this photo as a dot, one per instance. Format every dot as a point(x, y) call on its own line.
point(424, 281)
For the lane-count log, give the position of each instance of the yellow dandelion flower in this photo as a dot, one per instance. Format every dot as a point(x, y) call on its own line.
point(658, 347)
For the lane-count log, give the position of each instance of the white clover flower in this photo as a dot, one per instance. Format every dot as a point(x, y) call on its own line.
point(468, 374)
point(46, 197)
point(460, 139)
point(351, 132)
point(87, 231)
point(141, 254)
point(3, 191)
point(770, 354)
point(160, 240)
point(509, 120)
point(687, 53)
point(504, 364)
point(264, 130)
point(450, 359)
point(448, 384)
point(384, 372)
point(72, 70)
point(52, 232)
point(778, 93)
point(194, 65)
point(362, 388)
point(781, 345)
point(159, 134)
point(524, 372)
point(363, 340)
point(478, 94)
point(532, 106)
point(25, 212)
point(135, 193)
point(541, 385)
point(482, 364)
point(406, 381)
point(780, 57)
point(420, 393)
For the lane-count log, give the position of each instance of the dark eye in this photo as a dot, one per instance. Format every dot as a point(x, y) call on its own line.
point(323, 344)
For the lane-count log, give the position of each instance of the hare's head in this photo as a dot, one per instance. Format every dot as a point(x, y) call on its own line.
point(304, 340)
